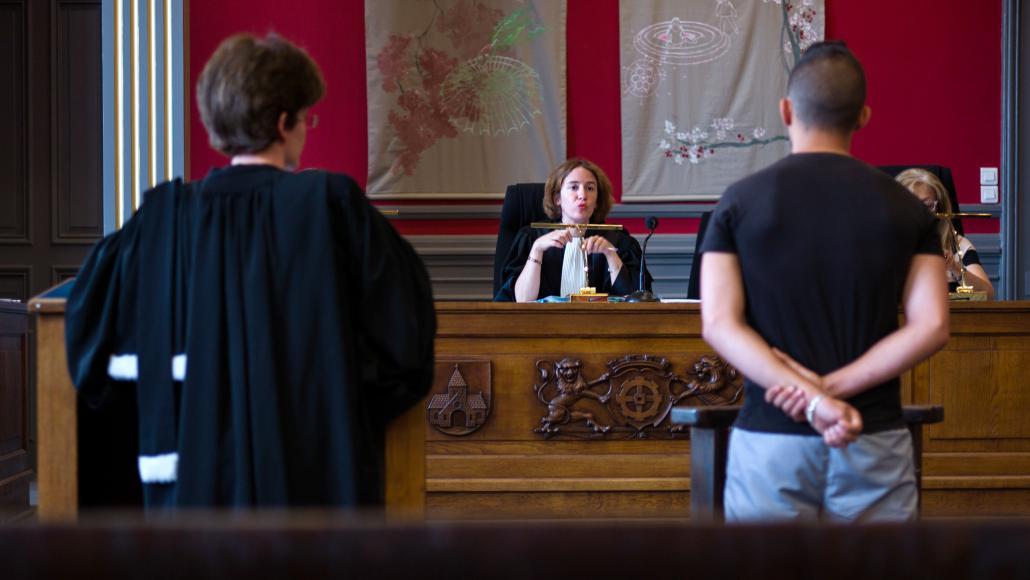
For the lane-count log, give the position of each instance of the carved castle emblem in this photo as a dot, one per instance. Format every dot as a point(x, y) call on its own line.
point(633, 398)
point(458, 409)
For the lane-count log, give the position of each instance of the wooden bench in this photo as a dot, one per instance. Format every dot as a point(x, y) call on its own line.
point(212, 545)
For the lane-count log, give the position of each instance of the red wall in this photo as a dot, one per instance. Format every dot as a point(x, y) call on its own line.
point(934, 69)
point(934, 72)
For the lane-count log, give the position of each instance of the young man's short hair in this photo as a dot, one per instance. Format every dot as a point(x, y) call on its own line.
point(827, 88)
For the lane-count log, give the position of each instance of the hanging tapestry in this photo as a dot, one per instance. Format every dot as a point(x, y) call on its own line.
point(701, 84)
point(464, 96)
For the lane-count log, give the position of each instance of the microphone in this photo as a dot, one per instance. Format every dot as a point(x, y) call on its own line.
point(642, 295)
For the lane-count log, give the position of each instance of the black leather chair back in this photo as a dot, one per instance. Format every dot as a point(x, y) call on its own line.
point(694, 282)
point(523, 205)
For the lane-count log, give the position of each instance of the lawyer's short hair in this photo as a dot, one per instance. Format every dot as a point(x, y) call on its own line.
point(247, 84)
point(827, 88)
point(605, 196)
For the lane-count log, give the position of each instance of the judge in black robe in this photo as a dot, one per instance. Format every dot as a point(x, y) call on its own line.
point(577, 193)
point(271, 322)
point(626, 281)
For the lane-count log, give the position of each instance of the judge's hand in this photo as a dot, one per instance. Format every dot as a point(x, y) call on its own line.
point(555, 239)
point(601, 245)
point(954, 264)
point(598, 245)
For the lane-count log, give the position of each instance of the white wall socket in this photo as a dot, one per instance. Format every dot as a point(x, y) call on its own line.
point(988, 194)
point(988, 176)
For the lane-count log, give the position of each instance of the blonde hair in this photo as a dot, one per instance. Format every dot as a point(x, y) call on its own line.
point(910, 178)
point(552, 188)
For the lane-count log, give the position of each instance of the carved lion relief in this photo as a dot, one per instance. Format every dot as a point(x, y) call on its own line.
point(632, 399)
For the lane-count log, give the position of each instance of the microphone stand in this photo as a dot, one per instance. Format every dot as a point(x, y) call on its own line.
point(643, 295)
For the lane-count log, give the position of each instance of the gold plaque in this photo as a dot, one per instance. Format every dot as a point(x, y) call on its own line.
point(588, 294)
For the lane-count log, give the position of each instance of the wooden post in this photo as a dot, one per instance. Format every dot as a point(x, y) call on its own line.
point(57, 423)
point(406, 465)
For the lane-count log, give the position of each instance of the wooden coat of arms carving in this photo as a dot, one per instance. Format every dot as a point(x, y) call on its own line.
point(461, 405)
point(633, 398)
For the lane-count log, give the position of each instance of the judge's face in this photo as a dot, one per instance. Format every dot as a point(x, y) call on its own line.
point(578, 196)
point(926, 194)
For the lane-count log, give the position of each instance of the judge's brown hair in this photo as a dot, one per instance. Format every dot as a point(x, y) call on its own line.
point(247, 84)
point(552, 189)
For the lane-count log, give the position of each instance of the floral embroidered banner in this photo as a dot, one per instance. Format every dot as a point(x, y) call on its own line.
point(701, 84)
point(464, 96)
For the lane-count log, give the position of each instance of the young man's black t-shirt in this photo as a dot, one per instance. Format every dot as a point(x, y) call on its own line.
point(825, 243)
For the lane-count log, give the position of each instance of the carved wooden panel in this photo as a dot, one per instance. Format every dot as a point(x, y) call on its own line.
point(14, 185)
point(631, 398)
point(15, 470)
point(459, 402)
point(77, 168)
point(979, 381)
point(15, 282)
point(12, 394)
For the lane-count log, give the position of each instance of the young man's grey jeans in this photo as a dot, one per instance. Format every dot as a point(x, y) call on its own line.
point(771, 476)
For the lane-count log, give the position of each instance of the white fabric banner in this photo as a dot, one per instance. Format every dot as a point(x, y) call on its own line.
point(464, 96)
point(701, 84)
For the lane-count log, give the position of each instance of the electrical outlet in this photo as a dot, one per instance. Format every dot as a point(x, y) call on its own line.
point(988, 176)
point(988, 194)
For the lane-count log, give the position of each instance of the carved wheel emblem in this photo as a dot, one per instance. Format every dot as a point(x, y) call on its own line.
point(639, 399)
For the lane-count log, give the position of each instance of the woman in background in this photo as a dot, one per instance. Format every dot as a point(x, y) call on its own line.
point(959, 253)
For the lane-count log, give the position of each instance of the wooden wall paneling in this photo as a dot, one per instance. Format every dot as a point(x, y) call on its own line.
point(76, 178)
point(977, 462)
point(15, 469)
point(968, 397)
point(980, 380)
point(12, 384)
point(961, 502)
point(506, 469)
point(561, 504)
point(15, 282)
point(14, 183)
point(50, 121)
point(59, 274)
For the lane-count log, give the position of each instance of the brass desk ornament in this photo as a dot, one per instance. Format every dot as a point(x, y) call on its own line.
point(964, 292)
point(588, 293)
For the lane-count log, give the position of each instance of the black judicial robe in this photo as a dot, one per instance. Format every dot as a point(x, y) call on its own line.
point(301, 321)
point(626, 282)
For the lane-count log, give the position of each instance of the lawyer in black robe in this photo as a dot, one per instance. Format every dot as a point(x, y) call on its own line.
point(270, 322)
point(305, 320)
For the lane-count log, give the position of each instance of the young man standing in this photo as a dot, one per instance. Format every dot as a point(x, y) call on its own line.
point(805, 265)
